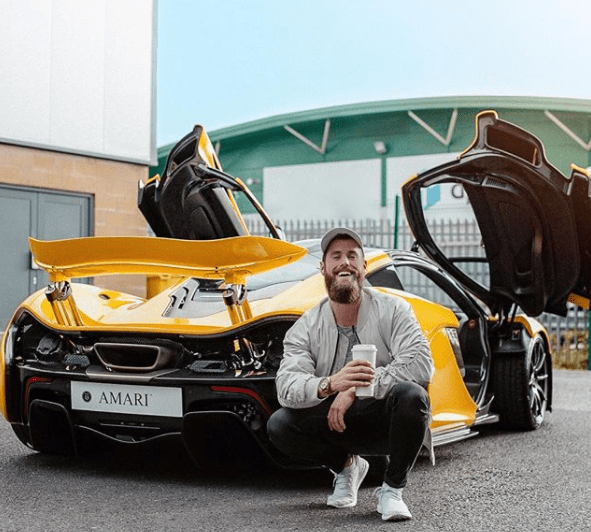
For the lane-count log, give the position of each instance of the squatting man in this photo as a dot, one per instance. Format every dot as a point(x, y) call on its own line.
point(321, 420)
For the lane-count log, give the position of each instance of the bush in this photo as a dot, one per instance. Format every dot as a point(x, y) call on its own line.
point(573, 352)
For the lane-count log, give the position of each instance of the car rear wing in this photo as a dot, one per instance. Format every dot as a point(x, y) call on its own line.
point(232, 260)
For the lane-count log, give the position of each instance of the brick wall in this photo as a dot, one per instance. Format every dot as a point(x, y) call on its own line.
point(113, 185)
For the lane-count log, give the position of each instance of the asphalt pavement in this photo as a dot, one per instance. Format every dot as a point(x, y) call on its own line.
point(496, 481)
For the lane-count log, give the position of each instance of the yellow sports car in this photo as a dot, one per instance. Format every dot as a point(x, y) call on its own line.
point(196, 359)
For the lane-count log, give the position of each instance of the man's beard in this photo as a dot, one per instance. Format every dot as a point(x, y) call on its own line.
point(343, 293)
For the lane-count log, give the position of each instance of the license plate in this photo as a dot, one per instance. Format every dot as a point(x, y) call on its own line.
point(127, 399)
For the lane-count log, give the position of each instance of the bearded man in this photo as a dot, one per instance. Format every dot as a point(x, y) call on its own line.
point(321, 420)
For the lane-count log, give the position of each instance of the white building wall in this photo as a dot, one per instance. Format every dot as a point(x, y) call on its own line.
point(77, 76)
point(445, 203)
point(323, 191)
point(352, 190)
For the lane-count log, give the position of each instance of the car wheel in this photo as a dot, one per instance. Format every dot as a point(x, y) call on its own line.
point(521, 385)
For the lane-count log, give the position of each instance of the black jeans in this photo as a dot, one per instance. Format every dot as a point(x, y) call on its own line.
point(394, 426)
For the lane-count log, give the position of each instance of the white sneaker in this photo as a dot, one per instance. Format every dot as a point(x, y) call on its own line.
point(391, 505)
point(347, 482)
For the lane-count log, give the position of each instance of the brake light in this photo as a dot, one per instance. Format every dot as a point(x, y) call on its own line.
point(245, 391)
point(32, 380)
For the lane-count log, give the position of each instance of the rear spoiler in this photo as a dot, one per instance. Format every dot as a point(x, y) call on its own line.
point(231, 259)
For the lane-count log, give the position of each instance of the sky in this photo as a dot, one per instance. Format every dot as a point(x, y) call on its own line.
point(226, 62)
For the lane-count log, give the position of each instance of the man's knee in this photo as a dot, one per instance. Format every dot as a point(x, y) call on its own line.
point(277, 425)
point(409, 397)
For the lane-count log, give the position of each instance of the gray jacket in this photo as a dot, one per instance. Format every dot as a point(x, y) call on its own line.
point(384, 320)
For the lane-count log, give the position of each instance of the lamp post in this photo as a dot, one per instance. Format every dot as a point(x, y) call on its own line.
point(381, 148)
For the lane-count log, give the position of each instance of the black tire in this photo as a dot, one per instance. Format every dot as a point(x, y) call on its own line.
point(522, 386)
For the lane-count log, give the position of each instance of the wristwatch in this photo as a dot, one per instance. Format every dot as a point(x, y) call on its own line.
point(324, 386)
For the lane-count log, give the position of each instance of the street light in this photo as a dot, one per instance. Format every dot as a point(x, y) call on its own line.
point(380, 147)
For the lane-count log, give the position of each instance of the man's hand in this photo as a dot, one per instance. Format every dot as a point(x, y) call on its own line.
point(355, 373)
point(336, 413)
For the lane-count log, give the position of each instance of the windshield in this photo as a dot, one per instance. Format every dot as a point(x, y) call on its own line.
point(291, 273)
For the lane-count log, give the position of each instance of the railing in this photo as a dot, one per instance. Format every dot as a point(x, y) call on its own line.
point(568, 335)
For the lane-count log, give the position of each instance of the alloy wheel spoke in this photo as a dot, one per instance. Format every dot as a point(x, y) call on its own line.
point(542, 393)
point(538, 359)
point(536, 402)
point(537, 399)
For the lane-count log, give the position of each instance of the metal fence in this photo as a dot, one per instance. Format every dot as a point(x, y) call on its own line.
point(455, 239)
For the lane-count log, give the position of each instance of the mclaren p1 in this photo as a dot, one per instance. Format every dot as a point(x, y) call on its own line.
point(195, 360)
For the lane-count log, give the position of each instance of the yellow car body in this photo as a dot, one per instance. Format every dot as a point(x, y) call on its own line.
point(96, 309)
point(209, 335)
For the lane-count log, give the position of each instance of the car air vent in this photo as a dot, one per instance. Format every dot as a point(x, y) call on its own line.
point(494, 182)
point(179, 297)
point(137, 357)
point(195, 298)
point(208, 366)
point(78, 361)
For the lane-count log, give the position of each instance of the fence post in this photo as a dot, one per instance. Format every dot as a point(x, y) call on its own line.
point(396, 217)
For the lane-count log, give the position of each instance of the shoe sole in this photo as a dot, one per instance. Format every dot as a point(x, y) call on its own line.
point(364, 470)
point(396, 517)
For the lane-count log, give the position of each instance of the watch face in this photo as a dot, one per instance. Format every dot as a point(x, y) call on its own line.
point(324, 384)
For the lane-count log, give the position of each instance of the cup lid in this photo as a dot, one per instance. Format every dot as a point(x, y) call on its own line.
point(364, 347)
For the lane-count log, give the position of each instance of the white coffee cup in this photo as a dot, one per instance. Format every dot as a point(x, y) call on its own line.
point(365, 352)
